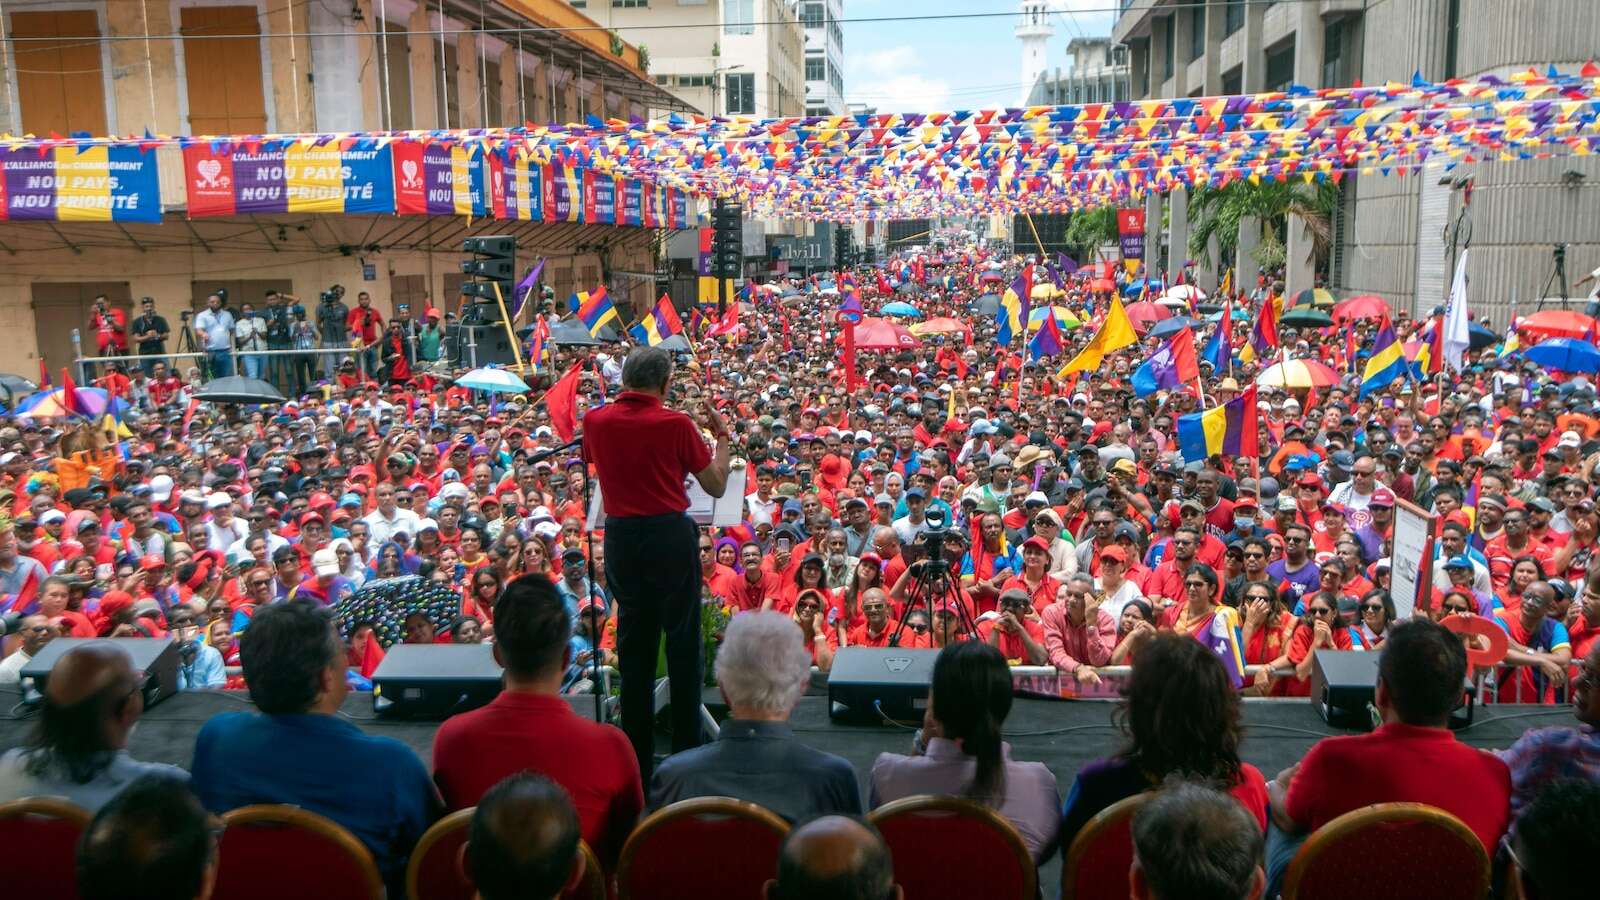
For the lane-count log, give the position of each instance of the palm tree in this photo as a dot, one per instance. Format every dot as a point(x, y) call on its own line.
point(1090, 228)
point(1215, 213)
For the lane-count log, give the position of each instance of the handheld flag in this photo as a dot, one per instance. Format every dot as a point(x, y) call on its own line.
point(44, 375)
point(1012, 315)
point(728, 324)
point(536, 346)
point(1219, 350)
point(1229, 430)
point(524, 288)
point(850, 311)
point(561, 401)
point(595, 311)
point(660, 323)
point(1264, 333)
point(1173, 365)
point(1046, 341)
point(1114, 334)
point(1456, 332)
point(1387, 363)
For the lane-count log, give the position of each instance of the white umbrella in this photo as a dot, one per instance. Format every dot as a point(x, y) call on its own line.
point(1186, 292)
point(494, 380)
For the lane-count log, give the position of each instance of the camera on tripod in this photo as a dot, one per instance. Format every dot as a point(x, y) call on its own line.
point(933, 540)
point(328, 296)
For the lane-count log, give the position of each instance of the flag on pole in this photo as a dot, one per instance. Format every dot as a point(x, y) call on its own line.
point(1114, 334)
point(660, 323)
point(44, 375)
point(1457, 334)
point(1012, 315)
point(524, 288)
point(595, 311)
point(1047, 341)
point(561, 401)
point(1170, 367)
point(1264, 333)
point(1219, 350)
point(728, 324)
point(536, 346)
point(1387, 363)
point(1229, 430)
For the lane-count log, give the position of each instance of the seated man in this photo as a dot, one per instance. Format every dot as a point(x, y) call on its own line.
point(529, 727)
point(297, 750)
point(200, 664)
point(762, 669)
point(834, 858)
point(153, 841)
point(1543, 755)
point(1413, 757)
point(1193, 842)
point(524, 841)
point(79, 749)
point(1557, 840)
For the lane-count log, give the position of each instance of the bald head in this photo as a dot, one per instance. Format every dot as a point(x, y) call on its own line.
point(87, 670)
point(91, 702)
point(524, 840)
point(834, 858)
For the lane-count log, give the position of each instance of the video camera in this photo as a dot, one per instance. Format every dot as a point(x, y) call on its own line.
point(328, 296)
point(933, 540)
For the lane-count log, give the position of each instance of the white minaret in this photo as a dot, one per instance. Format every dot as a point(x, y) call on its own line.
point(1034, 31)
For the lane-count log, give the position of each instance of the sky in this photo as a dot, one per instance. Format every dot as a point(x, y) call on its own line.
point(953, 63)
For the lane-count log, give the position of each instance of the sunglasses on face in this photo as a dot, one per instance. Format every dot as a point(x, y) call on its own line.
point(1196, 584)
point(1372, 607)
point(1453, 608)
point(1319, 612)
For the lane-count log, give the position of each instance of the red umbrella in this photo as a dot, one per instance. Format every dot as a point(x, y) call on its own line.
point(1557, 323)
point(1102, 286)
point(1145, 314)
point(1366, 306)
point(881, 334)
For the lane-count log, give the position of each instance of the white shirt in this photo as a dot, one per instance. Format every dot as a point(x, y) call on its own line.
point(1344, 494)
point(238, 550)
point(250, 332)
point(221, 537)
point(762, 510)
point(11, 667)
point(1126, 594)
point(218, 326)
point(383, 529)
point(909, 531)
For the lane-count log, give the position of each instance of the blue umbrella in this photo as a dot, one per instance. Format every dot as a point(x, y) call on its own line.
point(1238, 314)
point(986, 305)
point(1565, 354)
point(494, 380)
point(1480, 337)
point(1169, 327)
point(898, 308)
point(1135, 287)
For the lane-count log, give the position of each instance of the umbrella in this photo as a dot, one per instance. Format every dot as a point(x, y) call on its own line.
point(881, 334)
point(986, 305)
point(16, 386)
point(238, 389)
point(993, 276)
point(1298, 373)
point(675, 344)
point(1102, 285)
point(1479, 337)
point(1366, 306)
point(1064, 317)
point(1306, 317)
point(387, 602)
point(572, 333)
point(1145, 314)
point(1557, 323)
point(1045, 291)
point(1565, 355)
point(899, 308)
point(1171, 302)
point(1215, 315)
point(494, 380)
point(92, 403)
point(1137, 286)
point(1317, 297)
point(1172, 326)
point(941, 325)
point(1186, 292)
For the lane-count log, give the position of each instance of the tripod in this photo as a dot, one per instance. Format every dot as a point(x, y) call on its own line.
point(186, 344)
point(1558, 272)
point(933, 582)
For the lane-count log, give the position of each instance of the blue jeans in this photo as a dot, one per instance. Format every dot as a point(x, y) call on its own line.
point(1281, 848)
point(220, 363)
point(252, 364)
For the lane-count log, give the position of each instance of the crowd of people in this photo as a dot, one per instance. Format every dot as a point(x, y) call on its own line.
point(1069, 531)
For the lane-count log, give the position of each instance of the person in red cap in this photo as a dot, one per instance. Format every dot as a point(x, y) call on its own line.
point(1033, 580)
point(153, 583)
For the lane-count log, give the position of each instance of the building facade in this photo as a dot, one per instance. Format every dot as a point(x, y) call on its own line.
point(1034, 31)
point(220, 67)
point(824, 56)
point(1097, 72)
point(1391, 232)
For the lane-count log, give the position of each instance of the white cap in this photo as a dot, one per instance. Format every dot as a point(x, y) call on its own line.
point(455, 490)
point(6, 458)
point(192, 496)
point(1570, 439)
point(325, 562)
point(161, 488)
point(51, 516)
point(547, 530)
point(863, 435)
point(218, 500)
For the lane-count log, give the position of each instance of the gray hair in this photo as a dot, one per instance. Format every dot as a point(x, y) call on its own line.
point(648, 368)
point(1082, 578)
point(1221, 843)
point(763, 663)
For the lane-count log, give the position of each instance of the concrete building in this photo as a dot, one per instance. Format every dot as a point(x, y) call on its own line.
point(726, 57)
point(1034, 30)
point(1390, 231)
point(294, 66)
point(824, 56)
point(1097, 72)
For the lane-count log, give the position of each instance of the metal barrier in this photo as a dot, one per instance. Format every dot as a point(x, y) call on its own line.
point(234, 353)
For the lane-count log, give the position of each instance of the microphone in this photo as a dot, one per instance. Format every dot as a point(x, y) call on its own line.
point(543, 455)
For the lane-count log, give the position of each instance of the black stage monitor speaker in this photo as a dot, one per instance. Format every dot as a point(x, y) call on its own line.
point(1343, 683)
point(155, 658)
point(874, 682)
point(434, 681)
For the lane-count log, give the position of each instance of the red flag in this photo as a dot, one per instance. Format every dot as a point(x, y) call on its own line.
point(727, 324)
point(1312, 400)
point(188, 414)
point(27, 593)
point(1183, 356)
point(562, 403)
point(69, 392)
point(44, 375)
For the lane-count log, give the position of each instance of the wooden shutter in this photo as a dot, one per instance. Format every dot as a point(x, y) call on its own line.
point(60, 85)
point(223, 74)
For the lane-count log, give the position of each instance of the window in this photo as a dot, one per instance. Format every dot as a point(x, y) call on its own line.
point(1233, 81)
point(1197, 33)
point(394, 78)
point(1232, 17)
point(813, 15)
point(816, 69)
point(59, 82)
point(1169, 41)
point(629, 4)
point(1333, 55)
point(738, 17)
point(1452, 38)
point(446, 96)
point(223, 74)
point(741, 93)
point(1280, 66)
point(579, 4)
point(489, 83)
point(694, 81)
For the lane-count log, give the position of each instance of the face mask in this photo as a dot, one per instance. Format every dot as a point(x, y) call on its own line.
point(1243, 522)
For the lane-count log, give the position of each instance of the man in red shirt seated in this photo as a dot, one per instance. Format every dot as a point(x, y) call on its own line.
point(529, 727)
point(879, 626)
point(1017, 631)
point(1413, 757)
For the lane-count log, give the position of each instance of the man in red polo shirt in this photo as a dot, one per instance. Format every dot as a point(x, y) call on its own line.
point(529, 727)
point(1413, 757)
point(642, 453)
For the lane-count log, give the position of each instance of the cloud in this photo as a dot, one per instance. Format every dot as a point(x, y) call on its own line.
point(889, 78)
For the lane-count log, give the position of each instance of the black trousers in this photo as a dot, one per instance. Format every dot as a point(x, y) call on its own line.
point(653, 570)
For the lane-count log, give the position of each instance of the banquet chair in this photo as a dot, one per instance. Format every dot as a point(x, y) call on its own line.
point(1406, 850)
point(44, 831)
point(922, 833)
point(329, 862)
point(437, 870)
point(704, 847)
point(1098, 861)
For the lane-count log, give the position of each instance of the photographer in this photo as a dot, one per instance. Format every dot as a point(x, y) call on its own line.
point(302, 337)
point(151, 332)
point(332, 314)
point(110, 332)
point(200, 664)
point(280, 315)
point(250, 331)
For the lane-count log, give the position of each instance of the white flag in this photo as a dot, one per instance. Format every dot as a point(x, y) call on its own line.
point(1457, 334)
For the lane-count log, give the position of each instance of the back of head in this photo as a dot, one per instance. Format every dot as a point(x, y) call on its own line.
point(1558, 839)
point(1181, 712)
point(524, 839)
point(763, 665)
point(531, 627)
point(152, 840)
point(833, 858)
point(89, 690)
point(1423, 669)
point(971, 697)
point(646, 368)
point(1195, 843)
point(284, 653)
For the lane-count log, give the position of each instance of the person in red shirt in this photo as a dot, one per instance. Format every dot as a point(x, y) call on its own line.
point(1413, 757)
point(1017, 632)
point(364, 324)
point(878, 627)
point(1039, 587)
point(529, 727)
point(758, 588)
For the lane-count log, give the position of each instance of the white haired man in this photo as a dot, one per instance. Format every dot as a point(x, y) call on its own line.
point(762, 669)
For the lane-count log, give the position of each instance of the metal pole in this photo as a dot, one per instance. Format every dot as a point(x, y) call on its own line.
point(472, 344)
point(77, 352)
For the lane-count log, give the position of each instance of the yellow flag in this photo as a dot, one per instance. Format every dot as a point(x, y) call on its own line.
point(1116, 333)
point(950, 409)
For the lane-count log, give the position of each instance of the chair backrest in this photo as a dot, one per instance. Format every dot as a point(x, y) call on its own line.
point(916, 827)
point(592, 886)
point(44, 831)
point(1390, 850)
point(705, 847)
point(329, 862)
point(1097, 863)
point(434, 872)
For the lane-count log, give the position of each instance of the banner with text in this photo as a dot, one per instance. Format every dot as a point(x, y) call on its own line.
point(68, 184)
point(229, 179)
point(1130, 232)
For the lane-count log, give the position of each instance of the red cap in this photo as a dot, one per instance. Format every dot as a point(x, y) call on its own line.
point(149, 563)
point(1382, 497)
point(1039, 543)
point(1115, 552)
